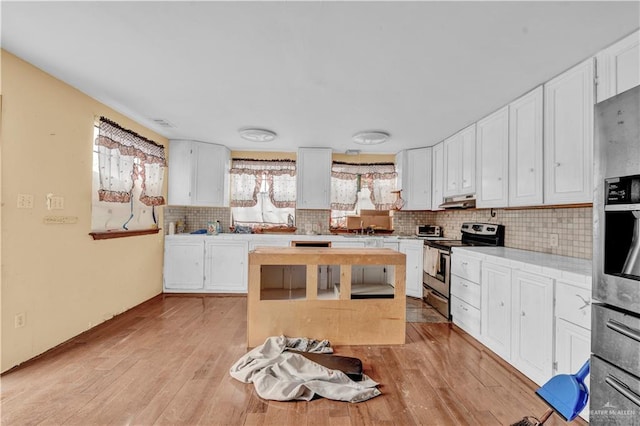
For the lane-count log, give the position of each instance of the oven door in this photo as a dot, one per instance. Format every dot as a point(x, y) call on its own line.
point(436, 270)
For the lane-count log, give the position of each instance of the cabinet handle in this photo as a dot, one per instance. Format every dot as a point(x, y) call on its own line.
point(464, 263)
point(465, 285)
point(464, 308)
point(625, 330)
point(622, 388)
point(586, 302)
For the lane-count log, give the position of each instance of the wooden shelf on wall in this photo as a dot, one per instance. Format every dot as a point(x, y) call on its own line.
point(107, 235)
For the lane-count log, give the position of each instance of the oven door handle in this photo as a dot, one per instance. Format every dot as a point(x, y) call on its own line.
point(623, 389)
point(625, 330)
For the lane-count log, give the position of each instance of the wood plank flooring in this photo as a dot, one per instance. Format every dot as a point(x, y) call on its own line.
point(166, 362)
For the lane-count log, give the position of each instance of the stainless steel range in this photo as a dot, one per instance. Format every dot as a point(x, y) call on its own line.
point(436, 274)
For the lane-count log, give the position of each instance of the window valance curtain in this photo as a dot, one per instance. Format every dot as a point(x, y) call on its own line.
point(347, 179)
point(248, 176)
point(123, 157)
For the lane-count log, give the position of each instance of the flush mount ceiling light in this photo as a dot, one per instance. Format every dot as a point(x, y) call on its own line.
point(370, 138)
point(257, 135)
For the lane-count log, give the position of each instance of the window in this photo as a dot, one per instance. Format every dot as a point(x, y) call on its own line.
point(128, 172)
point(263, 192)
point(356, 187)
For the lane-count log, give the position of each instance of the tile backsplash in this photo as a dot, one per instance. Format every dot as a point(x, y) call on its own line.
point(528, 229)
point(531, 229)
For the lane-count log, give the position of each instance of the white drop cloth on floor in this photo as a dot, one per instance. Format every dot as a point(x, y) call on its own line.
point(284, 376)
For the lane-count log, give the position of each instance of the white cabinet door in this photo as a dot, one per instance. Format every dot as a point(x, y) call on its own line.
point(413, 252)
point(416, 179)
point(198, 174)
point(437, 169)
point(183, 264)
point(211, 182)
point(573, 348)
point(460, 162)
point(568, 136)
point(225, 266)
point(532, 334)
point(525, 150)
point(468, 168)
point(313, 178)
point(492, 160)
point(496, 309)
point(452, 163)
point(179, 173)
point(618, 67)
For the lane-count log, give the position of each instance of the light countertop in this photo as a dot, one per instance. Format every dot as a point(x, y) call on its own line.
point(559, 267)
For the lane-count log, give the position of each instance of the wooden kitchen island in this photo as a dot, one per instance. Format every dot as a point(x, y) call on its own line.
point(307, 309)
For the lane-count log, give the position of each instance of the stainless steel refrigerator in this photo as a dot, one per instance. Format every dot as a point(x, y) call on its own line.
point(615, 330)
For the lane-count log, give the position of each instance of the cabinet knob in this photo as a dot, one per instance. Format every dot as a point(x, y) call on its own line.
point(499, 178)
point(557, 164)
point(501, 303)
point(523, 313)
point(532, 170)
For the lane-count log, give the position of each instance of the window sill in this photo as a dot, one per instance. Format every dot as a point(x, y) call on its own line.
point(107, 235)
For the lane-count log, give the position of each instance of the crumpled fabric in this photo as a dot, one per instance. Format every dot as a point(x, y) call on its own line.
point(280, 375)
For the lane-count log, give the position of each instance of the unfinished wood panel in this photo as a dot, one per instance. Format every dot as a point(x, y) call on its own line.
point(343, 321)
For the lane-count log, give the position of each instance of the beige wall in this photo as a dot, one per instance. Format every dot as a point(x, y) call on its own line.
point(62, 280)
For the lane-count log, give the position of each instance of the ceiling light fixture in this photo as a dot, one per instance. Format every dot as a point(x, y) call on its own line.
point(257, 135)
point(370, 137)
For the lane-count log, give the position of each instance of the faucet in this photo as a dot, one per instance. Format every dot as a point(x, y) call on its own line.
point(362, 227)
point(370, 230)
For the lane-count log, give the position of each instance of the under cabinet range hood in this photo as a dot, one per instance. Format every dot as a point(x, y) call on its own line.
point(460, 202)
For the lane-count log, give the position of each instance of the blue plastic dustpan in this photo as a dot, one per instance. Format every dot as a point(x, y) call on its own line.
point(566, 393)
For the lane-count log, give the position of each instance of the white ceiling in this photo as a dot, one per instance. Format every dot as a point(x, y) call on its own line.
point(313, 72)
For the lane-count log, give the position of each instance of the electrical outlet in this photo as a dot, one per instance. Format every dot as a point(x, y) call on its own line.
point(25, 201)
point(19, 320)
point(553, 240)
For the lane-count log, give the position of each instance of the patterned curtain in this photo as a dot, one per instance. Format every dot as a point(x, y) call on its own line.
point(247, 178)
point(125, 156)
point(347, 179)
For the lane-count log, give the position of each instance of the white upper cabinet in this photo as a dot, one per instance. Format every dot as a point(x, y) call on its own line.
point(492, 160)
point(525, 150)
point(437, 154)
point(414, 178)
point(618, 67)
point(198, 174)
point(460, 162)
point(568, 136)
point(313, 179)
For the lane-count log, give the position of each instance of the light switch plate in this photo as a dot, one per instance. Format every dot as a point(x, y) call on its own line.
point(25, 201)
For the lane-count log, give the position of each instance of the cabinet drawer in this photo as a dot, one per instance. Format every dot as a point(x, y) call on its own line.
point(466, 290)
point(573, 304)
point(465, 316)
point(465, 267)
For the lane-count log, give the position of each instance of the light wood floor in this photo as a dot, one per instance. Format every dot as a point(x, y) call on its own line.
point(167, 360)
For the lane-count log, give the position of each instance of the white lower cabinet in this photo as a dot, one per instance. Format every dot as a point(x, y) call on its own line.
point(413, 250)
point(225, 266)
point(465, 300)
point(532, 321)
point(183, 264)
point(496, 309)
point(573, 330)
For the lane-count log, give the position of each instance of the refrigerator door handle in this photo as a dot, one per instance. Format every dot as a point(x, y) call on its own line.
point(623, 389)
point(631, 333)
